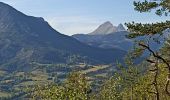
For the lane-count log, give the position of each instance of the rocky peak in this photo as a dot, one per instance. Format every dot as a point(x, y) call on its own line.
point(104, 29)
point(120, 27)
point(107, 28)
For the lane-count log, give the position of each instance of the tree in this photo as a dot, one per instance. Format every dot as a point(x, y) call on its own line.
point(46, 92)
point(122, 84)
point(77, 87)
point(161, 7)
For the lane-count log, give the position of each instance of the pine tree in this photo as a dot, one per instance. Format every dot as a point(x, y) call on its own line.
point(162, 7)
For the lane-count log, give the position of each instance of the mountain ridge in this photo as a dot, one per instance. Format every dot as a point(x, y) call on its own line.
point(25, 39)
point(117, 39)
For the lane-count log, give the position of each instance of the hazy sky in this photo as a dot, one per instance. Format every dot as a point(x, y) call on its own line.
point(82, 16)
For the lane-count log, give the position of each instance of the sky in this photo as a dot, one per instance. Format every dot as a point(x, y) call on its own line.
point(82, 16)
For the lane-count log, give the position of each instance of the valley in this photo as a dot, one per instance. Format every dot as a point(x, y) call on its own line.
point(46, 58)
point(16, 83)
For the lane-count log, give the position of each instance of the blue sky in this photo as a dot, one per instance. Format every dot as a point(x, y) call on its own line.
point(82, 16)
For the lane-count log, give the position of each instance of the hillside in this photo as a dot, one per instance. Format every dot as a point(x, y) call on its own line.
point(26, 39)
point(113, 40)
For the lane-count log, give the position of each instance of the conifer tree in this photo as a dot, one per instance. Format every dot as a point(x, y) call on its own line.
point(162, 8)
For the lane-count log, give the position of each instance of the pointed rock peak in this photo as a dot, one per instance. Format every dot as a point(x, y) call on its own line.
point(103, 29)
point(107, 23)
point(120, 27)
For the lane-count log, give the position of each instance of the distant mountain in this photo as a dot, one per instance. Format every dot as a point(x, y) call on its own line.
point(107, 28)
point(107, 36)
point(26, 39)
point(116, 39)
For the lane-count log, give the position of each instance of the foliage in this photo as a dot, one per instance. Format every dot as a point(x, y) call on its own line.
point(139, 29)
point(157, 57)
point(161, 6)
point(75, 88)
point(48, 92)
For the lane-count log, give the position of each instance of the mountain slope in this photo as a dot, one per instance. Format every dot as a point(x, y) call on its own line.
point(113, 40)
point(120, 28)
point(26, 39)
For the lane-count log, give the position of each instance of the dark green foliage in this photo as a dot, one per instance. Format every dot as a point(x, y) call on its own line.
point(161, 6)
point(138, 29)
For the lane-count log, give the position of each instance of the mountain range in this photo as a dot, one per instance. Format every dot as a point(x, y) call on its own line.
point(108, 36)
point(25, 39)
